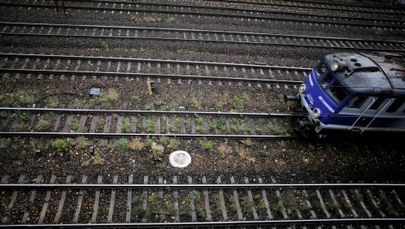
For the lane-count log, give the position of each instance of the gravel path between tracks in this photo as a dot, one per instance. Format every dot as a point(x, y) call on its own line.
point(288, 161)
point(132, 94)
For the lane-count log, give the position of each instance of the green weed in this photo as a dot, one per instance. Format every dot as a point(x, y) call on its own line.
point(207, 145)
point(123, 143)
point(43, 125)
point(150, 125)
point(52, 102)
point(61, 145)
point(106, 99)
point(173, 143)
point(199, 123)
point(126, 125)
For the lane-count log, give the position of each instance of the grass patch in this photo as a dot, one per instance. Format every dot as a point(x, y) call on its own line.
point(136, 144)
point(106, 99)
point(43, 125)
point(199, 123)
point(25, 98)
point(126, 125)
point(149, 106)
point(150, 125)
point(123, 144)
point(173, 143)
point(78, 103)
point(174, 128)
point(18, 98)
point(61, 145)
point(196, 100)
point(207, 145)
point(287, 202)
point(52, 102)
point(279, 127)
point(135, 98)
point(148, 142)
point(239, 102)
point(223, 149)
point(74, 124)
point(81, 142)
point(221, 124)
point(20, 116)
point(222, 101)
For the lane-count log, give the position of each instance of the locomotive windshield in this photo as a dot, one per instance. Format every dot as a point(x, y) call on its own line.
point(328, 81)
point(337, 91)
point(321, 70)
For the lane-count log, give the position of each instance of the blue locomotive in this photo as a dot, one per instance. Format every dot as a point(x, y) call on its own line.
point(355, 92)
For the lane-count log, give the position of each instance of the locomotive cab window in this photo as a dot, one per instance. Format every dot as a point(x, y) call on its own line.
point(337, 91)
point(320, 70)
point(326, 79)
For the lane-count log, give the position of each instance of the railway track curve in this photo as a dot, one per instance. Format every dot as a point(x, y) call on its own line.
point(222, 12)
point(194, 35)
point(113, 201)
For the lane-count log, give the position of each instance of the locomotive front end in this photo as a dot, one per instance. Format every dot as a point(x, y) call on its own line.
point(307, 92)
point(321, 95)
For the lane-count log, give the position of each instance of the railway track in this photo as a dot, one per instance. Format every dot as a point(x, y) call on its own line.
point(194, 35)
point(321, 6)
point(211, 11)
point(37, 122)
point(15, 63)
point(113, 201)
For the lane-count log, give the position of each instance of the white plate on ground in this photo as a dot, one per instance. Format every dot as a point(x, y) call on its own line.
point(180, 159)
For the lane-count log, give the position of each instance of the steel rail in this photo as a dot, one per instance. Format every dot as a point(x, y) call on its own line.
point(320, 6)
point(252, 14)
point(235, 9)
point(244, 195)
point(165, 29)
point(133, 112)
point(247, 11)
point(339, 4)
point(145, 132)
point(119, 135)
point(203, 186)
point(191, 62)
point(286, 222)
point(129, 74)
point(219, 68)
point(293, 40)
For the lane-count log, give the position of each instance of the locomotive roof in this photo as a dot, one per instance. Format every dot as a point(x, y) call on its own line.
point(373, 75)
